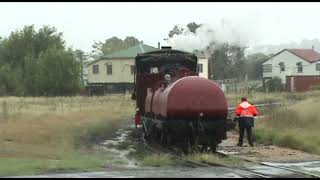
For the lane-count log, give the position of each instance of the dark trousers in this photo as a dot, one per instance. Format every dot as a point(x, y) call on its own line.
point(246, 124)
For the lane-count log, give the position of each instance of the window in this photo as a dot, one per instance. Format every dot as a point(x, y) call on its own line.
point(282, 67)
point(200, 68)
point(109, 68)
point(154, 70)
point(318, 67)
point(132, 69)
point(300, 70)
point(95, 69)
point(267, 68)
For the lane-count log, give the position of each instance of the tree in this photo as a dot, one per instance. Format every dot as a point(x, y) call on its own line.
point(113, 44)
point(176, 30)
point(254, 65)
point(193, 26)
point(21, 63)
point(82, 58)
point(130, 41)
point(59, 72)
point(227, 61)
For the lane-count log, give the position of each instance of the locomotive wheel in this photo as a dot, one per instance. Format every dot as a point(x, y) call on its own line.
point(186, 147)
point(163, 139)
point(213, 147)
point(204, 148)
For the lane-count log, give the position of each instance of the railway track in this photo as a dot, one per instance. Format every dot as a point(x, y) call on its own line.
point(156, 148)
point(273, 166)
point(160, 149)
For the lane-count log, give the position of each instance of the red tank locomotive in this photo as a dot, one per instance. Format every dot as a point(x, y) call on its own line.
point(177, 107)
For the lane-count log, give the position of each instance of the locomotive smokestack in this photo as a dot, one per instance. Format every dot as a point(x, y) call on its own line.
point(165, 47)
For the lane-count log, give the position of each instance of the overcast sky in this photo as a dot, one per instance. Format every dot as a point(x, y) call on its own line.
point(84, 23)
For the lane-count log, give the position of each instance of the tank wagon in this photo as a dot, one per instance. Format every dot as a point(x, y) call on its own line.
point(175, 106)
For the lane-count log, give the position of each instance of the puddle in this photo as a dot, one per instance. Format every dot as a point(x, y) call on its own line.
point(229, 152)
point(121, 148)
point(270, 170)
point(215, 172)
point(312, 167)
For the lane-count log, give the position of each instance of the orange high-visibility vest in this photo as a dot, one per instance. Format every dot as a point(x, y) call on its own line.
point(245, 109)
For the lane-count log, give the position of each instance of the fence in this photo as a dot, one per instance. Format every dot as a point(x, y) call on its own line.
point(236, 86)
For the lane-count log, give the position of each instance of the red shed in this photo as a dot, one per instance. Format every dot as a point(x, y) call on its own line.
point(301, 83)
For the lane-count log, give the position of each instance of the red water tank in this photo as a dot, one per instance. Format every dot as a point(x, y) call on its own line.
point(189, 98)
point(155, 106)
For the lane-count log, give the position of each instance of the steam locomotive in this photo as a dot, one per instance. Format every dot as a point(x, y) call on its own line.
point(176, 107)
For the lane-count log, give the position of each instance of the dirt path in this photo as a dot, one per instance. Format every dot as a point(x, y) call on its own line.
point(263, 153)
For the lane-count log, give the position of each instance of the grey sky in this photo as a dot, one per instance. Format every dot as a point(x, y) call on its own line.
point(82, 23)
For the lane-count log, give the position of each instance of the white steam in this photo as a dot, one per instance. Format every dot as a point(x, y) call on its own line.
point(221, 32)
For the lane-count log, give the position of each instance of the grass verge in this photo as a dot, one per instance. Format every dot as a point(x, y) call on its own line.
point(40, 135)
point(156, 160)
point(295, 126)
point(215, 159)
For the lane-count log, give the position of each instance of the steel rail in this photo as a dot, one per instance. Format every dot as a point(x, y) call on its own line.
point(175, 155)
point(274, 166)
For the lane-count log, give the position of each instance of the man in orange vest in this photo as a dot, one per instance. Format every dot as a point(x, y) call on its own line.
point(245, 113)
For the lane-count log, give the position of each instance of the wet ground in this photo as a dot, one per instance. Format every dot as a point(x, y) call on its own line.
point(127, 166)
point(263, 153)
point(181, 172)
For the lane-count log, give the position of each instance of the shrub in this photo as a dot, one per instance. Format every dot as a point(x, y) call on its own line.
point(274, 85)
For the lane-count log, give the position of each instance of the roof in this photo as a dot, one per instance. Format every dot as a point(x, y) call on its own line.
point(307, 54)
point(131, 52)
point(165, 53)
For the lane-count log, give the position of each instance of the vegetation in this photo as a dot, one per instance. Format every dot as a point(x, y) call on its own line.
point(37, 63)
point(254, 65)
point(156, 160)
point(274, 85)
point(114, 44)
point(52, 134)
point(215, 159)
point(228, 62)
point(294, 124)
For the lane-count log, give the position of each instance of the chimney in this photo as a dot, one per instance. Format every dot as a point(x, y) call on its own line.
point(165, 47)
point(158, 45)
point(312, 47)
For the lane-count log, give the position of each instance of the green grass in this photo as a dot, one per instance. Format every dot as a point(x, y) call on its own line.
point(215, 159)
point(295, 126)
point(72, 163)
point(58, 134)
point(156, 160)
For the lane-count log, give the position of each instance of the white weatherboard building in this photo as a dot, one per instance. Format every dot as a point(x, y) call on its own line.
point(202, 63)
point(291, 62)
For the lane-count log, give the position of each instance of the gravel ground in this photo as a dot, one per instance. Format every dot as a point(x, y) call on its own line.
point(263, 153)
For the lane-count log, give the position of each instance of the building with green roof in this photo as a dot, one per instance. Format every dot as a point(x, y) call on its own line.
point(114, 72)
